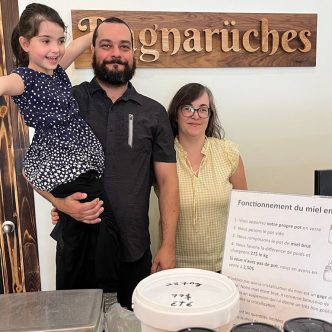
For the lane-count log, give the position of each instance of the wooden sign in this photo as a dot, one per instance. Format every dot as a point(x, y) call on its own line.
point(192, 39)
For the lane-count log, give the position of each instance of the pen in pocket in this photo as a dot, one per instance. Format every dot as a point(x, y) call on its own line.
point(130, 129)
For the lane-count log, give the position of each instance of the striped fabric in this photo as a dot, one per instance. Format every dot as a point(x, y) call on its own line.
point(204, 199)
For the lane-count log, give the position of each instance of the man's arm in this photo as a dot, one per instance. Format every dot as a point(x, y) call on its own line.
point(87, 212)
point(168, 185)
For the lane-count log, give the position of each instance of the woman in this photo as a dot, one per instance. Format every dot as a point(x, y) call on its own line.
point(209, 167)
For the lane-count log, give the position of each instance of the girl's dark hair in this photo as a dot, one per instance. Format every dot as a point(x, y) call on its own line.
point(185, 96)
point(28, 27)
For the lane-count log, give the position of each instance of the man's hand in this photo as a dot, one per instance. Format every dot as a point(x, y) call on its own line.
point(164, 259)
point(87, 212)
point(54, 216)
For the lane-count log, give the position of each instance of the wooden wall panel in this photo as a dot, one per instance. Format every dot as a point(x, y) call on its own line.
point(19, 250)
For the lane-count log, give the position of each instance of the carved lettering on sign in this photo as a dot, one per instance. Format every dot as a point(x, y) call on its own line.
point(212, 39)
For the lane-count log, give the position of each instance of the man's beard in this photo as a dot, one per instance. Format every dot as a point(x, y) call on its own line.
point(111, 76)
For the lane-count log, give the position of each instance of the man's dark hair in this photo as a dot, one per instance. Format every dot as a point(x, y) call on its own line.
point(111, 19)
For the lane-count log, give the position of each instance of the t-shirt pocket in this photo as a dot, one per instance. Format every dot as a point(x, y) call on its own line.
point(132, 133)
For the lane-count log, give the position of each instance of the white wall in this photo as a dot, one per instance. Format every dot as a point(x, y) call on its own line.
point(281, 117)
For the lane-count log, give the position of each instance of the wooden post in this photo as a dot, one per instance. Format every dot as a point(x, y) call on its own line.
point(19, 261)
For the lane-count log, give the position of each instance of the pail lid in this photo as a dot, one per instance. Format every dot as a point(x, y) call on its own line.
point(254, 327)
point(177, 298)
point(303, 324)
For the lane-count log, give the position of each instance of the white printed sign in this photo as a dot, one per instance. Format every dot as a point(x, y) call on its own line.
point(278, 251)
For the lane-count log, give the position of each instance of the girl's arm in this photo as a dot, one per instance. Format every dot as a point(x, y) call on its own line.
point(75, 49)
point(11, 85)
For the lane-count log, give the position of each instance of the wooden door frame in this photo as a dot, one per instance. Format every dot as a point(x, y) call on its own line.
point(19, 261)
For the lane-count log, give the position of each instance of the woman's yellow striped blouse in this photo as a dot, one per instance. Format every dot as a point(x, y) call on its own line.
point(204, 200)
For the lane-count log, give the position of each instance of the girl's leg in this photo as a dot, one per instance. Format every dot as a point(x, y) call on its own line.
point(76, 241)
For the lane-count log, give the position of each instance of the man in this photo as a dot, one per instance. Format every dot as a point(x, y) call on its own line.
point(138, 144)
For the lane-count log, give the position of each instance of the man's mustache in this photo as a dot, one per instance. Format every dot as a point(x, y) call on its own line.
point(115, 61)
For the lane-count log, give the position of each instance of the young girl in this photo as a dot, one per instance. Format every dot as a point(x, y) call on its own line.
point(64, 156)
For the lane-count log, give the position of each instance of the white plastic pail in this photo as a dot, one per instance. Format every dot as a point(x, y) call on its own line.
point(175, 299)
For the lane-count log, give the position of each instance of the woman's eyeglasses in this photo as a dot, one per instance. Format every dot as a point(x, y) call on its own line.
point(189, 111)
